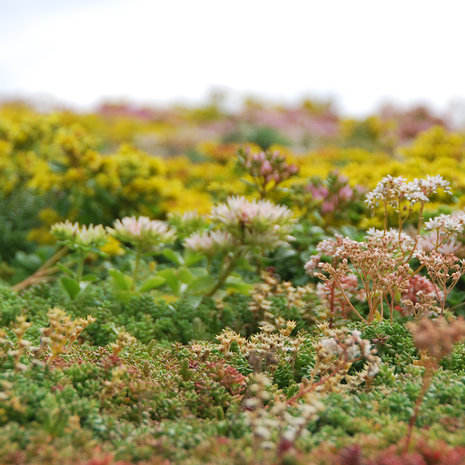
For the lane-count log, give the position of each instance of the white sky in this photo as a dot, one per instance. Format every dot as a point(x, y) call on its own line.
point(361, 52)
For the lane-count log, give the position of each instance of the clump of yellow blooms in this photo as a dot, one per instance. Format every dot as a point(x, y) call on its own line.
point(77, 163)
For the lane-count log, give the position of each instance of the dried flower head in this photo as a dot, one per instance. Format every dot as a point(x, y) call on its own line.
point(61, 332)
point(445, 270)
point(437, 337)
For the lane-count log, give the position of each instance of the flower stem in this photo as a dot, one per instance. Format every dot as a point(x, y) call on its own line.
point(80, 268)
point(225, 272)
point(135, 272)
point(427, 379)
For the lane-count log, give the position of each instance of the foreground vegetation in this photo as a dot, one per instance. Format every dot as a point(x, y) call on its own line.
point(283, 286)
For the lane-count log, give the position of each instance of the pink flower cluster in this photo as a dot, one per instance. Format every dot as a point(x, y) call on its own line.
point(418, 284)
point(210, 242)
point(333, 193)
point(266, 167)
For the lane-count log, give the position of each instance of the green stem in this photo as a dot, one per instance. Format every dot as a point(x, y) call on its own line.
point(80, 268)
point(225, 272)
point(385, 218)
point(135, 273)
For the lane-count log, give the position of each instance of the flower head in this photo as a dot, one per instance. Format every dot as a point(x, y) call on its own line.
point(209, 243)
point(395, 190)
point(437, 337)
point(142, 231)
point(448, 224)
point(77, 236)
point(265, 167)
point(253, 223)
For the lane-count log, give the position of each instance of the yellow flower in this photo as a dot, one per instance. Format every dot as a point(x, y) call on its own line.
point(112, 247)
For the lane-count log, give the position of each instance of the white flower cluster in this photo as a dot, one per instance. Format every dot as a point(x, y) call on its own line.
point(76, 236)
point(449, 224)
point(394, 190)
point(210, 242)
point(329, 246)
point(393, 237)
point(253, 223)
point(142, 231)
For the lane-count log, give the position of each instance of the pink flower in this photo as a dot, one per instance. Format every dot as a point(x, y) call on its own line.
point(266, 168)
point(327, 207)
point(346, 193)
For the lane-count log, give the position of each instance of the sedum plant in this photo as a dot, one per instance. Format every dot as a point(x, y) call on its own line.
point(61, 332)
point(267, 169)
point(81, 241)
point(144, 236)
point(241, 228)
point(381, 265)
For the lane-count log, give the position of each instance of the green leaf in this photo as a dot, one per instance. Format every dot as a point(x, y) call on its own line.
point(245, 264)
point(152, 283)
point(198, 271)
point(175, 257)
point(90, 277)
point(194, 300)
point(121, 282)
point(192, 258)
point(171, 278)
point(66, 270)
point(201, 284)
point(71, 286)
point(185, 275)
point(123, 296)
point(235, 282)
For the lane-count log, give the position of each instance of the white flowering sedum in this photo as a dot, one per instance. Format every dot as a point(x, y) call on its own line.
point(75, 235)
point(210, 242)
point(254, 223)
point(452, 224)
point(395, 190)
point(142, 231)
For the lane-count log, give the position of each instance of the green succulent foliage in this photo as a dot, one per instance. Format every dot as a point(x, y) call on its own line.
point(393, 342)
